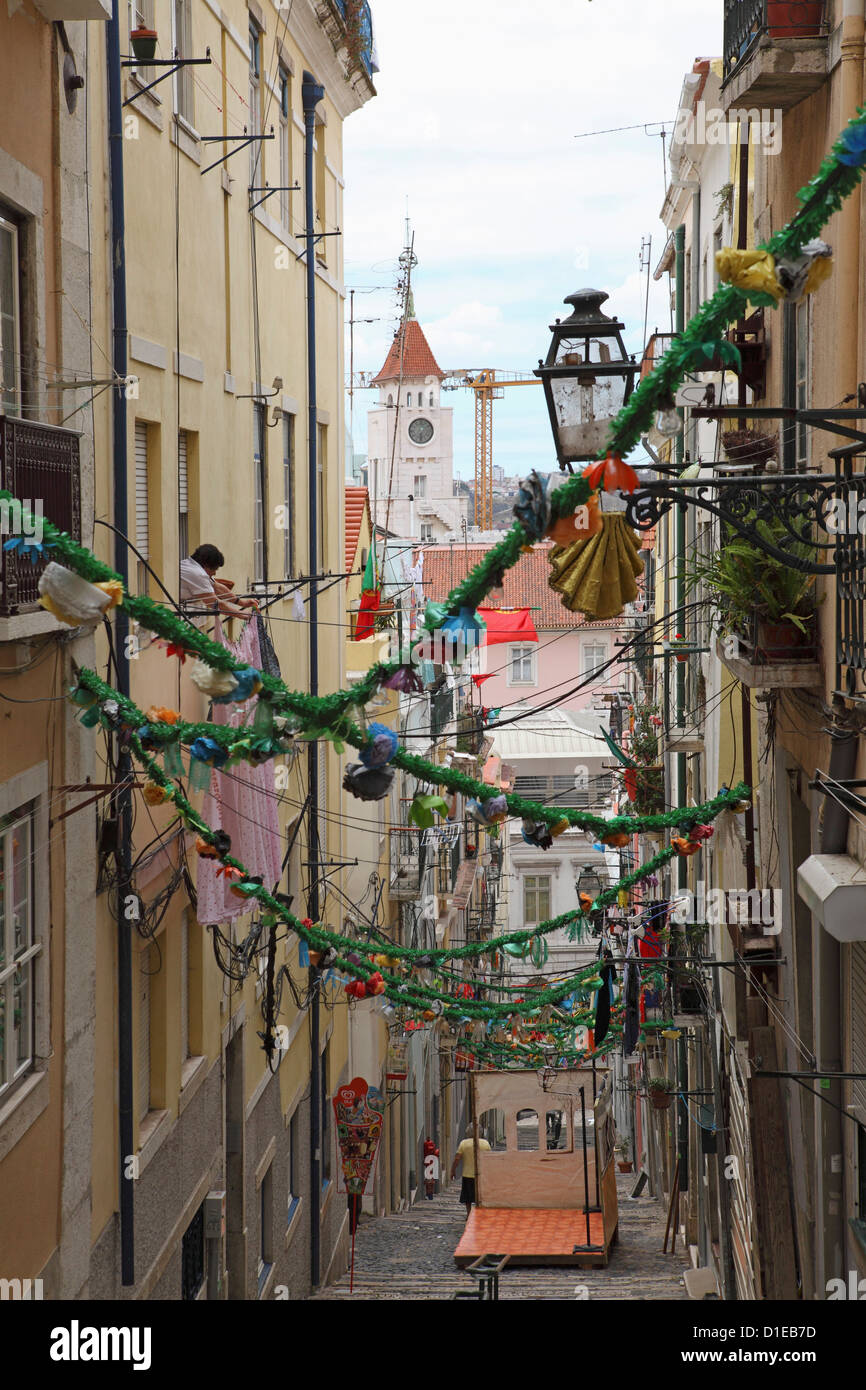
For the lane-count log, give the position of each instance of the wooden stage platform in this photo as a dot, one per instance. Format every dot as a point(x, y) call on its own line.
point(534, 1236)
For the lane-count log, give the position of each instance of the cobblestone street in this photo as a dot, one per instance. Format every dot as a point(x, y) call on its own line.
point(410, 1256)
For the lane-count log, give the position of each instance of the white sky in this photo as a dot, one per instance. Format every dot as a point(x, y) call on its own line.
point(474, 123)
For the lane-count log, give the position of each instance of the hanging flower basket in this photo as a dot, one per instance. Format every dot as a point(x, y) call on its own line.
point(143, 44)
point(660, 1093)
point(750, 448)
point(649, 788)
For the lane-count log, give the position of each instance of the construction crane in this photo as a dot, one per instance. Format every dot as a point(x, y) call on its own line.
point(488, 383)
point(488, 386)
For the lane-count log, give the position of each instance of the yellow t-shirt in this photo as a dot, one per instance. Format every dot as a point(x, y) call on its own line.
point(466, 1150)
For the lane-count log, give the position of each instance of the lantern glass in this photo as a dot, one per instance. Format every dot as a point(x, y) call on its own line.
point(588, 376)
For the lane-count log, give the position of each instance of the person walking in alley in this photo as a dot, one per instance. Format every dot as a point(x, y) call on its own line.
point(466, 1154)
point(431, 1168)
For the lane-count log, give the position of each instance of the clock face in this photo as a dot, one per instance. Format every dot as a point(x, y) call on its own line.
point(421, 431)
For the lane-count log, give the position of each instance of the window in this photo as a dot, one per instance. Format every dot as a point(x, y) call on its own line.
point(10, 330)
point(260, 551)
point(521, 667)
point(266, 1224)
point(294, 1165)
point(427, 531)
point(390, 401)
point(184, 985)
point(181, 17)
point(321, 462)
point(192, 1256)
point(319, 191)
point(255, 99)
point(289, 494)
point(285, 114)
point(527, 1130)
point(801, 311)
point(142, 527)
point(326, 1123)
point(144, 978)
point(419, 486)
point(182, 494)
point(536, 899)
point(408, 397)
point(430, 401)
point(19, 949)
point(594, 655)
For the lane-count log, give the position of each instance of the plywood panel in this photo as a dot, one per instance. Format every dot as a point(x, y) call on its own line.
point(534, 1179)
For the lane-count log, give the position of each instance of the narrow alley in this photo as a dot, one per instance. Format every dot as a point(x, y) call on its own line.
point(410, 1255)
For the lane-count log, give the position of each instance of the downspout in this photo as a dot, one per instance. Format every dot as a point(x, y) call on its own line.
point(846, 242)
point(311, 94)
point(682, 878)
point(123, 798)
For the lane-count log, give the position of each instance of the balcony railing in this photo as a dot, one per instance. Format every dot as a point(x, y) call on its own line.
point(39, 465)
point(441, 711)
point(747, 21)
point(355, 30)
point(407, 863)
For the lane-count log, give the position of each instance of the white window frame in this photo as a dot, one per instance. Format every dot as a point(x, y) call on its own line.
point(289, 558)
point(539, 883)
point(24, 798)
point(419, 486)
point(10, 386)
point(183, 90)
point(259, 492)
point(802, 357)
point(527, 653)
point(255, 103)
point(427, 532)
point(284, 103)
point(589, 667)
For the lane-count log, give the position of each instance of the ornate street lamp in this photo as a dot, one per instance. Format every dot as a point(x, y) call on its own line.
point(587, 376)
point(588, 882)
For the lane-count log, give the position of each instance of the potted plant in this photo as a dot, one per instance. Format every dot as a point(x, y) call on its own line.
point(624, 1163)
point(143, 42)
point(757, 596)
point(750, 448)
point(645, 784)
point(660, 1091)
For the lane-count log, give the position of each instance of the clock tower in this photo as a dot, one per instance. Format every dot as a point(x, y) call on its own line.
point(409, 424)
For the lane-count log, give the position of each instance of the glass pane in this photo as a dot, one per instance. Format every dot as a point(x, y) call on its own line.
point(556, 1125)
point(492, 1128)
point(2, 1035)
point(21, 1017)
point(20, 838)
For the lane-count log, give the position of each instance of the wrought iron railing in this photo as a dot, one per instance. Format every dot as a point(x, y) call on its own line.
point(441, 711)
point(39, 465)
point(746, 20)
point(406, 862)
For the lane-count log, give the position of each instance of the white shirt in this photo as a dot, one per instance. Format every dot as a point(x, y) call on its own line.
point(194, 580)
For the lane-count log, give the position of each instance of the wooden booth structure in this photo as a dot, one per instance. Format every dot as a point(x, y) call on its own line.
point(546, 1190)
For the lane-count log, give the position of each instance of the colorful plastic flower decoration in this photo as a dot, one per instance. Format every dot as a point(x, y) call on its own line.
point(207, 750)
point(616, 839)
point(851, 145)
point(216, 848)
point(176, 649)
point(803, 274)
point(247, 683)
point(532, 507)
point(27, 549)
point(74, 600)
point(154, 794)
point(537, 834)
point(382, 743)
point(422, 809)
point(617, 475)
point(217, 685)
point(464, 626)
point(684, 847)
point(158, 714)
point(367, 783)
point(700, 832)
point(752, 271)
point(560, 826)
point(586, 520)
point(229, 873)
point(405, 679)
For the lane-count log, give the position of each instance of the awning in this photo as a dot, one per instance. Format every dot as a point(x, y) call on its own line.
point(833, 886)
point(508, 625)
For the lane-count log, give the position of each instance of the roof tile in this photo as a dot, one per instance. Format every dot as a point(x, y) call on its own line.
point(357, 503)
point(417, 358)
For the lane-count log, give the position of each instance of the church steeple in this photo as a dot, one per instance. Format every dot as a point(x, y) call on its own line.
point(418, 360)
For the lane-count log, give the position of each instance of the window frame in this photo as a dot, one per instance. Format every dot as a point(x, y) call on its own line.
point(528, 654)
point(284, 104)
point(10, 396)
point(255, 93)
point(536, 884)
point(183, 88)
point(260, 494)
point(289, 555)
point(16, 960)
point(294, 1157)
point(585, 647)
point(23, 1099)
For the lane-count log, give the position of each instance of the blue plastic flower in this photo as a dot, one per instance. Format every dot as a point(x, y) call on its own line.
point(248, 682)
point(464, 625)
point(32, 549)
point(207, 750)
point(532, 507)
point(381, 746)
point(852, 145)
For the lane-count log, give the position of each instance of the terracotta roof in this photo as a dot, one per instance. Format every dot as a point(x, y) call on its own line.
point(418, 360)
point(525, 583)
point(357, 503)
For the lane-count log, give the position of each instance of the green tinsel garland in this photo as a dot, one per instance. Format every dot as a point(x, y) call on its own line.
point(419, 768)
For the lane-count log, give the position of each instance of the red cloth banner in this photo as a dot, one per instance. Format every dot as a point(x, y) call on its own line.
point(507, 625)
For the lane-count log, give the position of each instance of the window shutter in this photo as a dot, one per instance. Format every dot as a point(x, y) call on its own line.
point(141, 524)
point(182, 488)
point(858, 1020)
point(184, 985)
point(145, 966)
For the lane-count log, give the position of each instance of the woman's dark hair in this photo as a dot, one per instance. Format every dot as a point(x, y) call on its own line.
point(208, 557)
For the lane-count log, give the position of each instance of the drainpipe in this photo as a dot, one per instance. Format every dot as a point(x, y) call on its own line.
point(682, 873)
point(311, 94)
point(846, 241)
point(123, 798)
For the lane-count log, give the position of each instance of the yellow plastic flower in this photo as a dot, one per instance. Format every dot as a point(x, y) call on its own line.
point(753, 272)
point(153, 793)
point(820, 270)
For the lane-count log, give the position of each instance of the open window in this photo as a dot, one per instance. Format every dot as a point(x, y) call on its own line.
point(491, 1126)
point(527, 1131)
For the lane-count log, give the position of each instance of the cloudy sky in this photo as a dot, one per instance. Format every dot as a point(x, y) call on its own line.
point(474, 128)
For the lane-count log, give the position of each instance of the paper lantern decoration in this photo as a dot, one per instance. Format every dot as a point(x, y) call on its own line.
point(367, 783)
point(73, 600)
point(381, 746)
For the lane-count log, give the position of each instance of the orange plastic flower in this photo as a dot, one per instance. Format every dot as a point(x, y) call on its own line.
point(618, 476)
point(579, 525)
point(158, 714)
point(684, 847)
point(617, 839)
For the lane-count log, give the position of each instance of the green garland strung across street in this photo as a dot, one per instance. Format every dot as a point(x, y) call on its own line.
point(416, 995)
point(242, 741)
